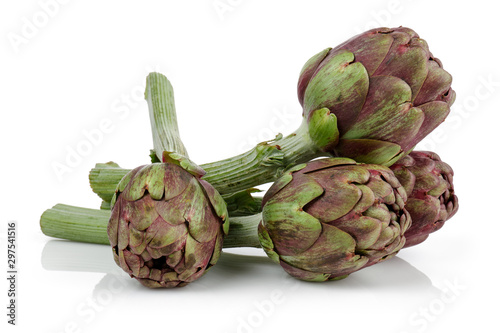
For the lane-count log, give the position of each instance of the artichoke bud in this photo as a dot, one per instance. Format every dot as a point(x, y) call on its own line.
point(167, 225)
point(333, 216)
point(428, 182)
point(386, 90)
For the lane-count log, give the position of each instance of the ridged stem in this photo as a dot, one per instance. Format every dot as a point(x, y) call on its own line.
point(160, 97)
point(90, 226)
point(263, 164)
point(243, 232)
point(103, 179)
point(76, 224)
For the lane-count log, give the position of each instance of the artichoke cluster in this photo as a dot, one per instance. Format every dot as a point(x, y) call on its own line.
point(385, 92)
point(328, 218)
point(347, 191)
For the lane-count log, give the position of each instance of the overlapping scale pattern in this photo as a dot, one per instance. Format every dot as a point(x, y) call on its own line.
point(167, 225)
point(331, 217)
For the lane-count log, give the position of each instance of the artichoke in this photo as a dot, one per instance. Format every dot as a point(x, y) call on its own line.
point(167, 224)
point(331, 217)
point(383, 89)
point(428, 181)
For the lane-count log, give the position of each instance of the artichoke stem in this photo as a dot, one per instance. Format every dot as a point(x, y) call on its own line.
point(90, 226)
point(104, 178)
point(160, 97)
point(265, 163)
point(76, 224)
point(243, 232)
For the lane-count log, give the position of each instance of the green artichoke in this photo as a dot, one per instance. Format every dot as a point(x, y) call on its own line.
point(428, 181)
point(331, 217)
point(383, 89)
point(167, 224)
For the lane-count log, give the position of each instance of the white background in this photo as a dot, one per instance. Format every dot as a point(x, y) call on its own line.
point(69, 66)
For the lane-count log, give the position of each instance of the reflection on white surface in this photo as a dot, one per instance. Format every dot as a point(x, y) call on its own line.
point(253, 293)
point(61, 255)
point(233, 267)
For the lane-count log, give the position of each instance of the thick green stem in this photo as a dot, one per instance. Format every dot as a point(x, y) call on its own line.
point(243, 232)
point(76, 224)
point(104, 177)
point(90, 226)
point(160, 97)
point(263, 164)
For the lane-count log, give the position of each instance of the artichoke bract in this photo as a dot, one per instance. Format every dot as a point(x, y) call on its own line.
point(383, 90)
point(428, 182)
point(331, 217)
point(167, 224)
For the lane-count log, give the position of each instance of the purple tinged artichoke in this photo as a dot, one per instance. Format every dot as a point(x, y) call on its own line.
point(428, 182)
point(167, 225)
point(383, 90)
point(331, 217)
